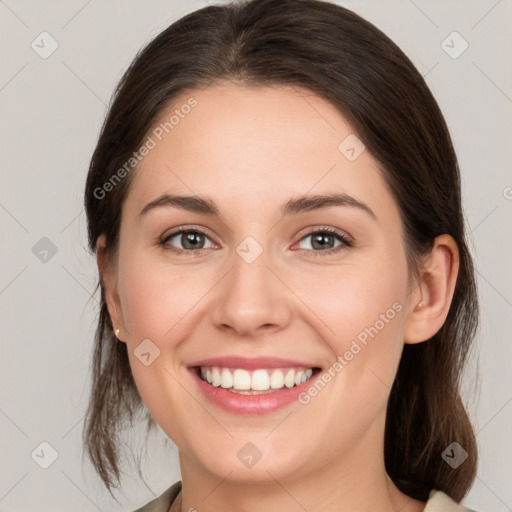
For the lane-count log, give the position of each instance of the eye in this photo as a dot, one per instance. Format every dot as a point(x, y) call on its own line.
point(191, 240)
point(323, 241)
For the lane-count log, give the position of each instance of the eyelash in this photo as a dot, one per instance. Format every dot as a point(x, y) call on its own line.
point(346, 243)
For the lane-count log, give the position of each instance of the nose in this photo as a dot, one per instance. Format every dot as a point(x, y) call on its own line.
point(252, 299)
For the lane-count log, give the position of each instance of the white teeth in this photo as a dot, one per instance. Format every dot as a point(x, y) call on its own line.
point(289, 380)
point(241, 379)
point(277, 379)
point(258, 380)
point(215, 377)
point(226, 378)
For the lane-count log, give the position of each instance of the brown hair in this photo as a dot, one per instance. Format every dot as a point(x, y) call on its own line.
point(336, 54)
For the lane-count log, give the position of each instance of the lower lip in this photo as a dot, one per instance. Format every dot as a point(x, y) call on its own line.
point(251, 404)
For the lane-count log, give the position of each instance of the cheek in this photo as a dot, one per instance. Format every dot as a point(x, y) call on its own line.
point(359, 309)
point(360, 313)
point(160, 304)
point(156, 297)
point(352, 300)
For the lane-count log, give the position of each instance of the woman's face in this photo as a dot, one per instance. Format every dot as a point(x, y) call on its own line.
point(258, 279)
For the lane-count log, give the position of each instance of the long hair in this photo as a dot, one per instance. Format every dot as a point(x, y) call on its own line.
point(331, 51)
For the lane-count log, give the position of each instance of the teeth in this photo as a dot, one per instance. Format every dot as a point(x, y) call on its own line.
point(257, 380)
point(260, 380)
point(300, 377)
point(226, 379)
point(241, 379)
point(289, 380)
point(277, 379)
point(215, 377)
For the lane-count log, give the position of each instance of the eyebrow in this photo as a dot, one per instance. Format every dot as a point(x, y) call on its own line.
point(294, 206)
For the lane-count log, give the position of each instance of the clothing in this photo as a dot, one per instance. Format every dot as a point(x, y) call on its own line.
point(438, 502)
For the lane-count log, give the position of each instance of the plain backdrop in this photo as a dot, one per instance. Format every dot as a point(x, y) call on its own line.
point(52, 108)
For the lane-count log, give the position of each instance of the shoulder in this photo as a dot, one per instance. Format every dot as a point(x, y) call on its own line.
point(438, 501)
point(163, 502)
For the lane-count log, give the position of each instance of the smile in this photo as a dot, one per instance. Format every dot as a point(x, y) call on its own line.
point(252, 392)
point(251, 382)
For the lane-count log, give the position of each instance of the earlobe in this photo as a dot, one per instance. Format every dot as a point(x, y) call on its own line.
point(109, 284)
point(432, 296)
point(419, 306)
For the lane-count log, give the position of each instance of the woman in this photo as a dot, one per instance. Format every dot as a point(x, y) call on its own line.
point(274, 204)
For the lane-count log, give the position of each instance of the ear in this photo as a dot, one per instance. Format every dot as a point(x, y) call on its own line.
point(108, 277)
point(431, 297)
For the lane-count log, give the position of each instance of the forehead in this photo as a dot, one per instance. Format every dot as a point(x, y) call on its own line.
point(254, 146)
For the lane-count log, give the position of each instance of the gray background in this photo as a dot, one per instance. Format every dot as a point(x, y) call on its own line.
point(52, 110)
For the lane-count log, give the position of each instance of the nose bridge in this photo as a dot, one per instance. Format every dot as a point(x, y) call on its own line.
point(251, 296)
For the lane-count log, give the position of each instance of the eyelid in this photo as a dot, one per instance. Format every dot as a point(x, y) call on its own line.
point(322, 229)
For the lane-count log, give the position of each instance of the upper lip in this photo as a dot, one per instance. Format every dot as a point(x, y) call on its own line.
point(252, 363)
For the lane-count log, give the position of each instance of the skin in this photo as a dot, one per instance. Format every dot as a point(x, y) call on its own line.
point(250, 150)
